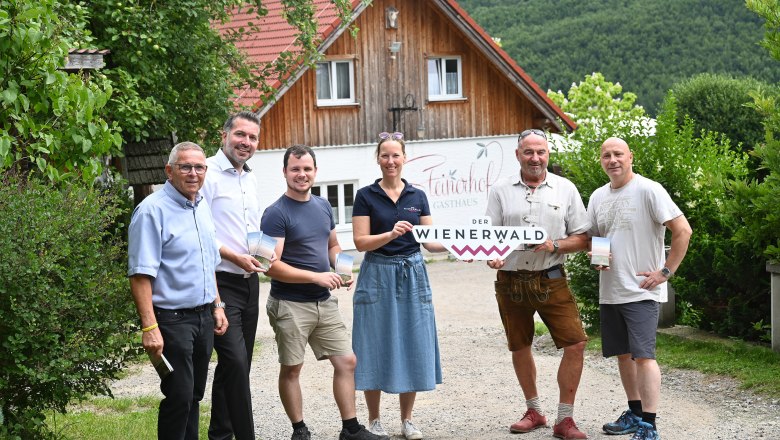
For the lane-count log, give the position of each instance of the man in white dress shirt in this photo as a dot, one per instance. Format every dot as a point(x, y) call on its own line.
point(231, 191)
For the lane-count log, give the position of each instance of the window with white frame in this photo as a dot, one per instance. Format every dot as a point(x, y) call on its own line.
point(445, 79)
point(341, 197)
point(335, 82)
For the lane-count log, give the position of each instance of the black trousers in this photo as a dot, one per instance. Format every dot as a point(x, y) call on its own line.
point(231, 399)
point(188, 338)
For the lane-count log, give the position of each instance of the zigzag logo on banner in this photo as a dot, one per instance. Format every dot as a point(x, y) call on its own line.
point(480, 248)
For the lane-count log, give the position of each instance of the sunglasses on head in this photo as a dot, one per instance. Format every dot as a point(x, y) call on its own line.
point(531, 131)
point(395, 136)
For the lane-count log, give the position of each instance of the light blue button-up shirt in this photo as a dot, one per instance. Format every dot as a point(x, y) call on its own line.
point(173, 240)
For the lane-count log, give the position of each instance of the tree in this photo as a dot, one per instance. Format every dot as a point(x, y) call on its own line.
point(756, 202)
point(169, 70)
point(650, 45)
point(173, 71)
point(50, 122)
point(601, 109)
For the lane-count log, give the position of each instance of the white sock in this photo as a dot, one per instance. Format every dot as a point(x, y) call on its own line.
point(534, 404)
point(564, 410)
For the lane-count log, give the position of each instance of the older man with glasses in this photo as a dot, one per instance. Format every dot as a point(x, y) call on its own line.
point(532, 279)
point(172, 254)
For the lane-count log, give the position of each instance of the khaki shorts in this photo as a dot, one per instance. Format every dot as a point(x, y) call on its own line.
point(317, 323)
point(520, 294)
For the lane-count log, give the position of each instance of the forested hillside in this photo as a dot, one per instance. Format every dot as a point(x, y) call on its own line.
point(645, 45)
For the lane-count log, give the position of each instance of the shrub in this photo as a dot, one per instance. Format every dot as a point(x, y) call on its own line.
point(716, 103)
point(65, 314)
point(721, 104)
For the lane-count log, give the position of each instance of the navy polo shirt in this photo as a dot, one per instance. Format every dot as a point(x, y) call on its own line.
point(372, 201)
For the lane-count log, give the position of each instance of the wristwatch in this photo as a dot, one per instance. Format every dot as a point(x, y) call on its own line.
point(219, 305)
point(555, 246)
point(666, 272)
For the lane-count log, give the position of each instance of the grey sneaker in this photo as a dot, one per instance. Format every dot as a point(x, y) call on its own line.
point(363, 434)
point(301, 434)
point(375, 427)
point(410, 431)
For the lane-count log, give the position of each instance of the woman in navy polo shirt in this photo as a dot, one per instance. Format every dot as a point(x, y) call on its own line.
point(394, 330)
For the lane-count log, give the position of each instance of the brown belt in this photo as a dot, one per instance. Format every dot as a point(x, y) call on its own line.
point(544, 272)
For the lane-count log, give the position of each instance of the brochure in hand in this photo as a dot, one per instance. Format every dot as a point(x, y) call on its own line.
point(162, 365)
point(344, 265)
point(599, 251)
point(261, 247)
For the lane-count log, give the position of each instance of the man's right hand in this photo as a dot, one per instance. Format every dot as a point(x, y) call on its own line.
point(495, 264)
point(599, 267)
point(153, 342)
point(247, 262)
point(331, 280)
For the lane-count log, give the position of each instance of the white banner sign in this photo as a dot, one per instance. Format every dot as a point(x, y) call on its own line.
point(479, 240)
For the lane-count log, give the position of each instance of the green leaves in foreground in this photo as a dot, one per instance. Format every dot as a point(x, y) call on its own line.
point(65, 314)
point(51, 123)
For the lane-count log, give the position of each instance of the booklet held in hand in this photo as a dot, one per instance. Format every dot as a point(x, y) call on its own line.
point(344, 265)
point(599, 252)
point(162, 365)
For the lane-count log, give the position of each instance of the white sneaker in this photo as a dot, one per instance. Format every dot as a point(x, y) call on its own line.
point(375, 427)
point(410, 432)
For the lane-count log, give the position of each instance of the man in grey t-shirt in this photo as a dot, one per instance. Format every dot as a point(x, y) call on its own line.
point(634, 213)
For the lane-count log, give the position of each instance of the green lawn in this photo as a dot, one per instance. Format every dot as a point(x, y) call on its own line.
point(756, 367)
point(105, 418)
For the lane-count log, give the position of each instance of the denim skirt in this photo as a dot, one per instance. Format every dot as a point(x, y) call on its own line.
point(394, 329)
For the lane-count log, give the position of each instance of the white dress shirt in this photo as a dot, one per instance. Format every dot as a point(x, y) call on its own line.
point(234, 205)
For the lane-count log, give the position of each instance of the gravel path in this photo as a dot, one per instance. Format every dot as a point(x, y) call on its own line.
point(480, 396)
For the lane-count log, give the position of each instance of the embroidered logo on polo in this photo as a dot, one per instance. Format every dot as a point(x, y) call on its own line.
point(413, 210)
point(479, 240)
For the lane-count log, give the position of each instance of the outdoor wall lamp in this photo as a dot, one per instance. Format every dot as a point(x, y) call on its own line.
point(421, 131)
point(394, 48)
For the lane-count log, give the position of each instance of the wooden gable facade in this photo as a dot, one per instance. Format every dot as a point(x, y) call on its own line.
point(391, 88)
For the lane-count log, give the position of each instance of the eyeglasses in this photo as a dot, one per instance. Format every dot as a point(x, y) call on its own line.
point(397, 136)
point(531, 131)
point(185, 168)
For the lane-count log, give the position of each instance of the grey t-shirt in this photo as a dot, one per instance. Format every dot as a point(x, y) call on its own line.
point(305, 227)
point(633, 218)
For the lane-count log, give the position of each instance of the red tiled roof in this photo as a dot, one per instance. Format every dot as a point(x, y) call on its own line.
point(278, 36)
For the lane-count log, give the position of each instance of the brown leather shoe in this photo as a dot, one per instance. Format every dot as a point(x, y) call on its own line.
point(530, 421)
point(567, 430)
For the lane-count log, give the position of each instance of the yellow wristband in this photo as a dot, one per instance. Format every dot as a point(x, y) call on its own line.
point(150, 328)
